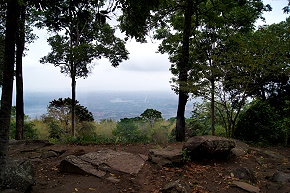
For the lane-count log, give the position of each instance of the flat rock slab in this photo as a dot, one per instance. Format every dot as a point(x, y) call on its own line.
point(103, 161)
point(247, 187)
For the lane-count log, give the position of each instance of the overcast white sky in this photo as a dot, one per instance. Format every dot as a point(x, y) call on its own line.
point(145, 70)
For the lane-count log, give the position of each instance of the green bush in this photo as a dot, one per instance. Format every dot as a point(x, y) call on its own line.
point(55, 130)
point(86, 128)
point(30, 132)
point(128, 132)
point(258, 124)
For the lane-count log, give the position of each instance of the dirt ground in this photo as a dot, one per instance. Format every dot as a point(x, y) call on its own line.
point(202, 176)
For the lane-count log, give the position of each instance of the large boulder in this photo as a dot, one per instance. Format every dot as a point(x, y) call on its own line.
point(19, 175)
point(203, 147)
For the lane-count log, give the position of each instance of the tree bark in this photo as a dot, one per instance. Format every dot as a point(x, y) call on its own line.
point(212, 110)
point(12, 16)
point(20, 42)
point(183, 70)
point(73, 113)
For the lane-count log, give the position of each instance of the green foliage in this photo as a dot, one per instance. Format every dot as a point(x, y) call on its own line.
point(86, 128)
point(30, 132)
point(128, 132)
point(55, 130)
point(151, 115)
point(60, 110)
point(261, 123)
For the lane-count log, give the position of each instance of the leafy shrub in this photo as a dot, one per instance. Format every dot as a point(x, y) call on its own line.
point(86, 128)
point(30, 132)
point(258, 124)
point(128, 132)
point(55, 130)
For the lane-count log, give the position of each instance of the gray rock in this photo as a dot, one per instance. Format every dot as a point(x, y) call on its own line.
point(19, 175)
point(174, 187)
point(113, 179)
point(200, 147)
point(103, 161)
point(281, 177)
point(165, 156)
point(247, 187)
point(240, 149)
point(49, 154)
point(74, 164)
point(10, 191)
point(245, 174)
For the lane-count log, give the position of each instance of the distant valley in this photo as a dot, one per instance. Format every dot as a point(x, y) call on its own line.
point(109, 104)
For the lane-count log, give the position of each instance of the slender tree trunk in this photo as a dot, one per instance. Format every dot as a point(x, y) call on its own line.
point(212, 110)
point(73, 105)
point(183, 70)
point(12, 16)
point(19, 134)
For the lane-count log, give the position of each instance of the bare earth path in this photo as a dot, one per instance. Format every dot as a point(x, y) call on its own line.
point(206, 176)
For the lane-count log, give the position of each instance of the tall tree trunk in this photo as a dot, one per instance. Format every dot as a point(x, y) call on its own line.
point(183, 70)
point(73, 112)
point(20, 41)
point(12, 16)
point(212, 110)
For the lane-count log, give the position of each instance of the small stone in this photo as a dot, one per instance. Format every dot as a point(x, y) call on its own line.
point(113, 179)
point(281, 177)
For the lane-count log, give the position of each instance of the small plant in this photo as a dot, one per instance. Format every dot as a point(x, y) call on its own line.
point(185, 155)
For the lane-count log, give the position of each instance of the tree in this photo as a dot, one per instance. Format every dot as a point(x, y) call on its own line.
point(20, 44)
point(212, 21)
point(259, 69)
point(60, 110)
point(82, 36)
point(12, 16)
point(151, 115)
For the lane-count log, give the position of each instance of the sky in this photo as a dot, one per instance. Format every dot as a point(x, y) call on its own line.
point(145, 69)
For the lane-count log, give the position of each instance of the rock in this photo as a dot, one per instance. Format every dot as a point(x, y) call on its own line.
point(103, 161)
point(200, 147)
point(74, 164)
point(10, 191)
point(49, 154)
point(240, 149)
point(173, 187)
point(19, 175)
point(165, 156)
point(245, 174)
point(281, 177)
point(113, 179)
point(247, 187)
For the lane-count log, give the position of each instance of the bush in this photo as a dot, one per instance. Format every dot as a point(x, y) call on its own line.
point(55, 130)
point(128, 132)
point(258, 124)
point(30, 132)
point(86, 128)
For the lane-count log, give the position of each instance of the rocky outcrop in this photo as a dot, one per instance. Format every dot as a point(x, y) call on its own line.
point(200, 147)
point(102, 162)
point(19, 175)
point(165, 156)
